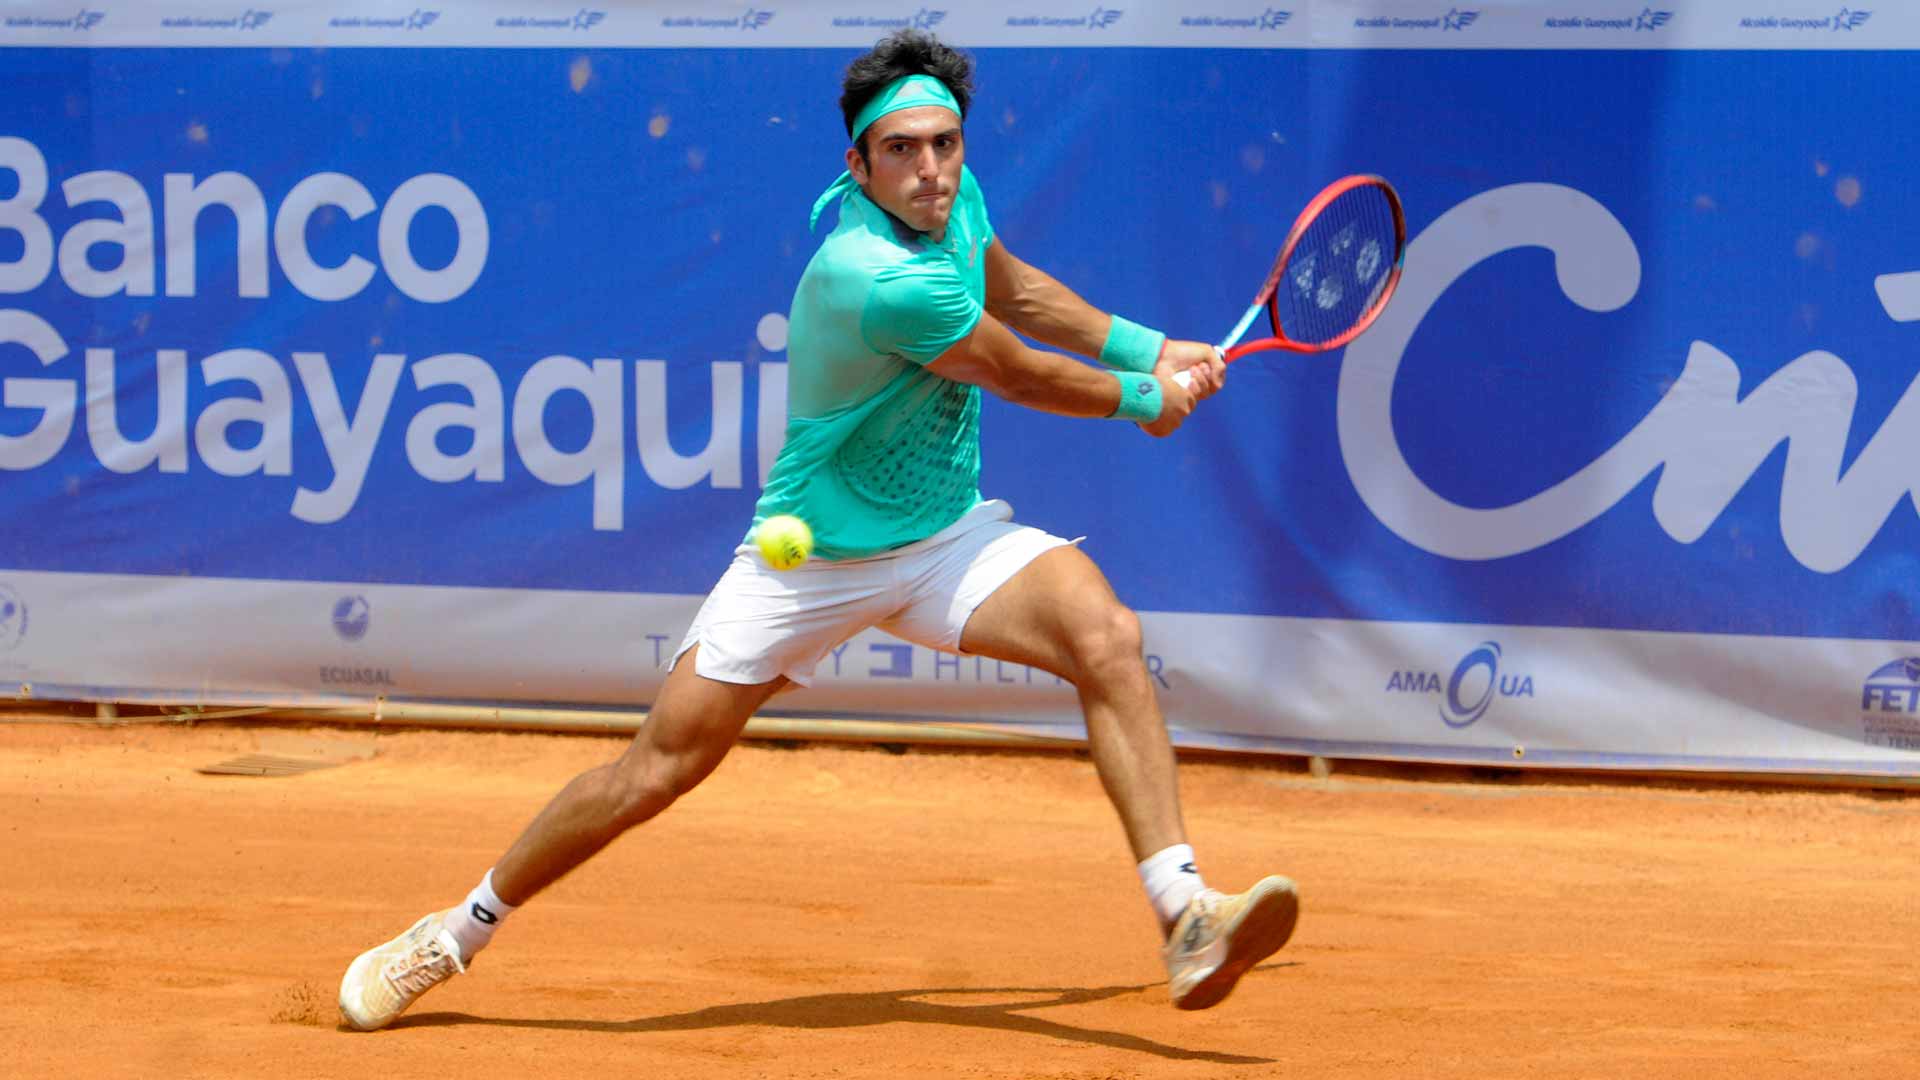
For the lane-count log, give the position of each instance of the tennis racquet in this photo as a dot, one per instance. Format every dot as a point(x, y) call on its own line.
point(1336, 272)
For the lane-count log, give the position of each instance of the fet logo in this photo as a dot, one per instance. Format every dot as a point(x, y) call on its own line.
point(587, 20)
point(1649, 19)
point(1103, 17)
point(1271, 19)
point(351, 615)
point(420, 20)
point(1455, 19)
point(927, 20)
point(754, 19)
point(1893, 687)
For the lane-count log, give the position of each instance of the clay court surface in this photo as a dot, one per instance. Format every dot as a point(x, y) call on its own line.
point(827, 911)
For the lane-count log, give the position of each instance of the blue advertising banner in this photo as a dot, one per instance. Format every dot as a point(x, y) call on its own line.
point(490, 314)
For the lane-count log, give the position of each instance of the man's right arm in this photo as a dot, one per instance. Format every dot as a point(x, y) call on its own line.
point(995, 360)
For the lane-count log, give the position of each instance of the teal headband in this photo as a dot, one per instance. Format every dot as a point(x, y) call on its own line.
point(906, 92)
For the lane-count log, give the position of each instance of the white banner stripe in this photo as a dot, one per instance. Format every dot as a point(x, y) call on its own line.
point(1334, 24)
point(1415, 691)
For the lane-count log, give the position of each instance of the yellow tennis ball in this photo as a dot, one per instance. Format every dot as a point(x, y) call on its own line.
point(785, 541)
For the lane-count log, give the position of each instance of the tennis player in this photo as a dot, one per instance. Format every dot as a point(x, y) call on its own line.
point(904, 315)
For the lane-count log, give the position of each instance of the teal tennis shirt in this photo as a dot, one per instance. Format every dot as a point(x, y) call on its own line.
point(881, 452)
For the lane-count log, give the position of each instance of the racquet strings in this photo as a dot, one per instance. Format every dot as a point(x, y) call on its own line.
point(1335, 274)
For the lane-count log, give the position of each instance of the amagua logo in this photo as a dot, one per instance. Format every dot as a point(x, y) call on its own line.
point(351, 616)
point(1464, 697)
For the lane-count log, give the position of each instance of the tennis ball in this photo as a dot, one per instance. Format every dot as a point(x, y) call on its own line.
point(785, 541)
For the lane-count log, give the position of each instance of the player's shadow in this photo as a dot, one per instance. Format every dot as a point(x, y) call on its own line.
point(819, 1011)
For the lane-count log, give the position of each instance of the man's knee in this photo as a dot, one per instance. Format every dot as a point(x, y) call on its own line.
point(1107, 644)
point(647, 780)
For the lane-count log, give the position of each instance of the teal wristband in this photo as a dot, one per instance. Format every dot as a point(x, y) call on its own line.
point(1131, 347)
point(1139, 397)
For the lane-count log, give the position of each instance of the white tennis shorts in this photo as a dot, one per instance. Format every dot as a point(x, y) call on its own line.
point(759, 623)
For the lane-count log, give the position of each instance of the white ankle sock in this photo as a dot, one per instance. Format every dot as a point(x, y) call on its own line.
point(472, 924)
point(1171, 881)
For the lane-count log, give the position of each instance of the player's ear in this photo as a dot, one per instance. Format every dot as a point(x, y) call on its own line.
point(856, 165)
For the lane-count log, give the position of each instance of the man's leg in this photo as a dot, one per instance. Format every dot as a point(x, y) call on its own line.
point(1060, 615)
point(690, 728)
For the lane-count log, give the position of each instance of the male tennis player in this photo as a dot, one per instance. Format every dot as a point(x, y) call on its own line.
point(900, 320)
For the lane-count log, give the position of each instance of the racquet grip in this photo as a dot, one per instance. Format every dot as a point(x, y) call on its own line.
point(1185, 377)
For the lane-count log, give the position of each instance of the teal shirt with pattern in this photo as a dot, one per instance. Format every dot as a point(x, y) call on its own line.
point(880, 452)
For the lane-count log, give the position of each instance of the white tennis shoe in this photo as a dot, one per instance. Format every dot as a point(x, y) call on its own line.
point(1219, 938)
point(383, 981)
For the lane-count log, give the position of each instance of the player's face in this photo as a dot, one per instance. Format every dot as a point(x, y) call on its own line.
point(915, 172)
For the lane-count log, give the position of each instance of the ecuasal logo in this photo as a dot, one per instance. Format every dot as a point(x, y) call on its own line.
point(13, 618)
point(1893, 687)
point(350, 617)
point(1464, 695)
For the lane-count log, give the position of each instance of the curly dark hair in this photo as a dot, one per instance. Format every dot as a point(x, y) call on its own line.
point(903, 52)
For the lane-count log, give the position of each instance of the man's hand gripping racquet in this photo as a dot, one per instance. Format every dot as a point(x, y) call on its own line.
point(1335, 274)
